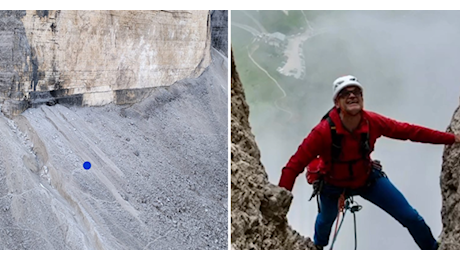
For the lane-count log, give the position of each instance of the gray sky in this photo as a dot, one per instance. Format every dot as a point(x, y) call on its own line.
point(409, 66)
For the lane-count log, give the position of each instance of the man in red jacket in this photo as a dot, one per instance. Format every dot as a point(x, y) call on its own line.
point(347, 164)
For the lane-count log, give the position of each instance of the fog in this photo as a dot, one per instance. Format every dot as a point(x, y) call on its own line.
point(408, 63)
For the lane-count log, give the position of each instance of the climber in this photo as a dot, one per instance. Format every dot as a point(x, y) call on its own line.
point(340, 146)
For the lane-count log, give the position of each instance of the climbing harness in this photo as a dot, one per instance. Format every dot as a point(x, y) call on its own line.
point(315, 169)
point(315, 172)
point(344, 205)
point(317, 187)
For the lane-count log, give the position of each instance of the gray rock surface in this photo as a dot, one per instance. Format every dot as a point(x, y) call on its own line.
point(450, 184)
point(158, 178)
point(219, 31)
point(259, 208)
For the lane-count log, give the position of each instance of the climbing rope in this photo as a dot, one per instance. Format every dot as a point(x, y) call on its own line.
point(344, 206)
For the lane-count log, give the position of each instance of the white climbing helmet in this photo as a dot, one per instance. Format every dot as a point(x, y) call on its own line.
point(343, 82)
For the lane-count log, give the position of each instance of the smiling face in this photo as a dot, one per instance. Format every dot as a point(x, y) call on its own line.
point(350, 100)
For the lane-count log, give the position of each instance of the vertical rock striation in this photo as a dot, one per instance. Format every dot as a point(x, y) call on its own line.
point(93, 57)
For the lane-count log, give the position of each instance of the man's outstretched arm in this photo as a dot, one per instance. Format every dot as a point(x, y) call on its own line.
point(405, 131)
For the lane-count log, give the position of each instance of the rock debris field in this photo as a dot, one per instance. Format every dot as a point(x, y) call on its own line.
point(158, 176)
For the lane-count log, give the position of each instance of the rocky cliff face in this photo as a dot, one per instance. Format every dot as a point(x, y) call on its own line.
point(259, 208)
point(219, 24)
point(450, 187)
point(97, 57)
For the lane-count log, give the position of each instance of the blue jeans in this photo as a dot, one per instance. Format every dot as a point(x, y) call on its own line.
point(382, 193)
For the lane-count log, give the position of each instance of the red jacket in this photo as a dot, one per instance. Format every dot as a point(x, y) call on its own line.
point(319, 142)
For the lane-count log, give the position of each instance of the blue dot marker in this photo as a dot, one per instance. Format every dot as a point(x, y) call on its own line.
point(86, 165)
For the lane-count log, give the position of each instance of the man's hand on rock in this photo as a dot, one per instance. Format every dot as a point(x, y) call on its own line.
point(457, 138)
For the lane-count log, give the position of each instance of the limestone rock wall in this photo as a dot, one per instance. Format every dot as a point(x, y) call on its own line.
point(87, 57)
point(259, 208)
